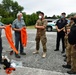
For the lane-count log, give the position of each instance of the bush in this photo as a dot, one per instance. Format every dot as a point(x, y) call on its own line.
point(7, 20)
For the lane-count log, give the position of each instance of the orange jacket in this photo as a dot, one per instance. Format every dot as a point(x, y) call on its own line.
point(8, 34)
point(24, 36)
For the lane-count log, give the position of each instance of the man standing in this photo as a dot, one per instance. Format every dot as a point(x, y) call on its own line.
point(60, 26)
point(16, 26)
point(70, 51)
point(41, 34)
point(1, 27)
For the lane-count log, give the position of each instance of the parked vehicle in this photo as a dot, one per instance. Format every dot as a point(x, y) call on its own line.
point(51, 25)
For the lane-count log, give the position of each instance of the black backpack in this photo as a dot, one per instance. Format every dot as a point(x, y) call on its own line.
point(72, 35)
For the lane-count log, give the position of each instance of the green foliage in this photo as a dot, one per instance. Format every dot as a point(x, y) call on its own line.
point(30, 19)
point(8, 20)
point(72, 14)
point(10, 8)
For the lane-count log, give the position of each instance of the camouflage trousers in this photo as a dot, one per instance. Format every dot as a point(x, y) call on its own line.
point(43, 41)
point(68, 53)
point(66, 40)
point(71, 56)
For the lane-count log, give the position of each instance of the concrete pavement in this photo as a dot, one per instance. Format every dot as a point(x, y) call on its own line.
point(35, 64)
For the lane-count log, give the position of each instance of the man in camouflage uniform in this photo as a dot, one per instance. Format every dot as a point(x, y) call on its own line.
point(41, 34)
point(70, 53)
point(73, 54)
point(67, 45)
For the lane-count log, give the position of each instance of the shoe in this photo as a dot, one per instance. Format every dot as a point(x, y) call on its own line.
point(63, 52)
point(17, 56)
point(56, 50)
point(1, 62)
point(23, 53)
point(71, 72)
point(36, 52)
point(65, 59)
point(44, 54)
point(64, 55)
point(66, 66)
point(11, 52)
point(1, 66)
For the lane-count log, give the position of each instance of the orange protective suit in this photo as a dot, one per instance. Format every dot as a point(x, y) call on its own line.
point(24, 36)
point(8, 34)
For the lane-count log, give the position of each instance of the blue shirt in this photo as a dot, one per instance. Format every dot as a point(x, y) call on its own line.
point(1, 24)
point(18, 24)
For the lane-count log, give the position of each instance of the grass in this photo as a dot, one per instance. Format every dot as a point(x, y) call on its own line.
point(30, 27)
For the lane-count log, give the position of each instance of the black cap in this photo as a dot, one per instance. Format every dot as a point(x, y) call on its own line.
point(41, 13)
point(63, 13)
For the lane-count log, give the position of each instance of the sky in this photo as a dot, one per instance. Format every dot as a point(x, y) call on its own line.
point(49, 7)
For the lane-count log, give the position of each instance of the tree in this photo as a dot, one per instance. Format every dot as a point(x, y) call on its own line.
point(16, 8)
point(12, 7)
point(54, 17)
point(3, 13)
point(9, 10)
point(7, 4)
point(72, 14)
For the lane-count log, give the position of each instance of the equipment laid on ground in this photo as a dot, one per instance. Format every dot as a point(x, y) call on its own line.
point(7, 66)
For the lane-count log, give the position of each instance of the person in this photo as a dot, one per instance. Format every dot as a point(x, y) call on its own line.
point(72, 41)
point(67, 30)
point(41, 34)
point(68, 45)
point(16, 26)
point(1, 27)
point(60, 26)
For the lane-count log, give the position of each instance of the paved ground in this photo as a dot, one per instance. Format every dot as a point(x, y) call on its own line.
point(35, 64)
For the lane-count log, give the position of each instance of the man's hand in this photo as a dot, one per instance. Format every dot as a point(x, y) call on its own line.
point(2, 27)
point(19, 29)
point(16, 29)
point(24, 27)
point(35, 26)
point(59, 30)
point(64, 30)
point(40, 27)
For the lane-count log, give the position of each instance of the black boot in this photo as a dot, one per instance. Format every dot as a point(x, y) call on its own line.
point(65, 59)
point(63, 51)
point(56, 50)
point(64, 55)
point(17, 56)
point(66, 66)
point(71, 72)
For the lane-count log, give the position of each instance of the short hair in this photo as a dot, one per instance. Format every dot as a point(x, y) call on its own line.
point(41, 13)
point(63, 13)
point(74, 19)
point(18, 14)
